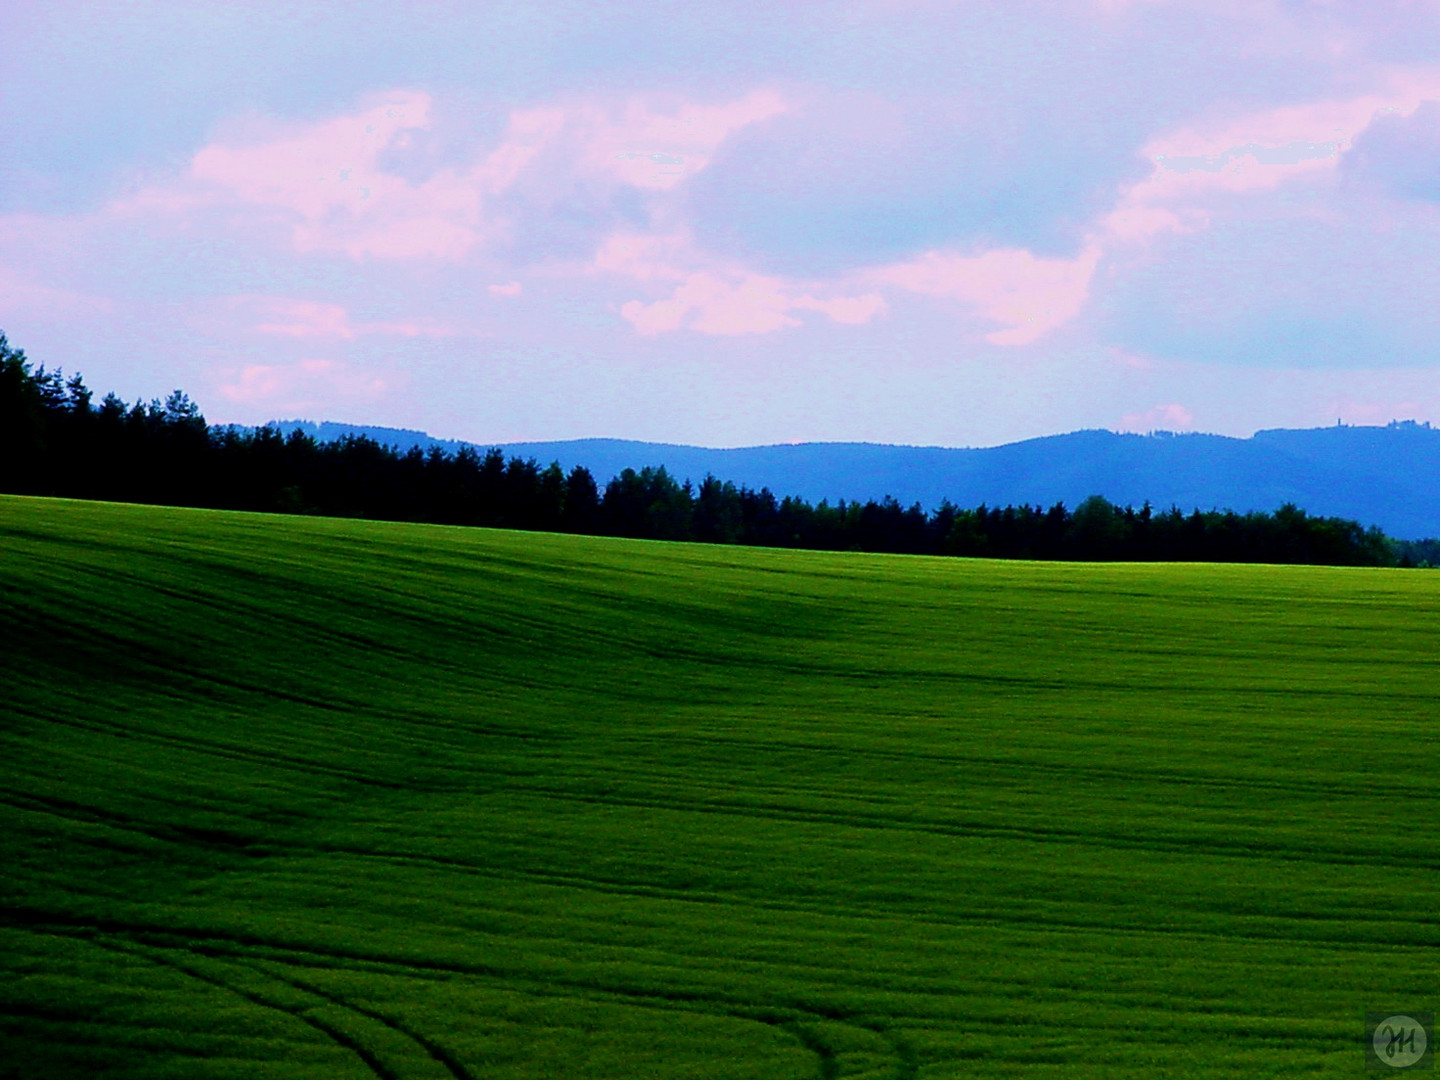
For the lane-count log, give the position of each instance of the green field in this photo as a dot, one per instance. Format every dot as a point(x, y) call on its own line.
point(291, 797)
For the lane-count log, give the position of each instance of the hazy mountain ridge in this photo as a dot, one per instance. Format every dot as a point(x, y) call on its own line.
point(1385, 476)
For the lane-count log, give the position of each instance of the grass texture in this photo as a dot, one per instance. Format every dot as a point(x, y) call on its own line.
point(292, 798)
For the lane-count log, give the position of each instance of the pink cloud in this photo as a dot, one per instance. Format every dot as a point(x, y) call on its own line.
point(1133, 222)
point(327, 183)
point(646, 257)
point(1133, 360)
point(305, 319)
point(296, 388)
point(852, 310)
point(1256, 152)
point(406, 329)
point(18, 292)
point(319, 168)
point(659, 317)
point(308, 319)
point(752, 305)
point(748, 304)
point(712, 305)
point(510, 288)
point(1169, 417)
point(327, 178)
point(527, 134)
point(1030, 295)
point(657, 150)
point(711, 297)
point(1194, 169)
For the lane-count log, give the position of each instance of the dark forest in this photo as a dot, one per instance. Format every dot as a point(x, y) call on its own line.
point(57, 440)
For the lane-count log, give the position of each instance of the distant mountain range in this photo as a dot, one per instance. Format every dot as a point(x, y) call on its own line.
point(1386, 476)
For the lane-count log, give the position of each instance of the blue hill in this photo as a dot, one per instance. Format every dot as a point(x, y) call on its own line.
point(1386, 476)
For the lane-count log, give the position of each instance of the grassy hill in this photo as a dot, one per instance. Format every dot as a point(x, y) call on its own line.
point(287, 797)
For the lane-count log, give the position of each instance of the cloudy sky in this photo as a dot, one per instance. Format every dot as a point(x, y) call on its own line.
point(956, 223)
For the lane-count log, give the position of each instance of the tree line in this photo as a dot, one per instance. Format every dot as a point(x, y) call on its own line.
point(57, 440)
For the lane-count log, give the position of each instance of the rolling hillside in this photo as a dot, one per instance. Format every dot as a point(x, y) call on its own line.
point(290, 797)
point(1383, 476)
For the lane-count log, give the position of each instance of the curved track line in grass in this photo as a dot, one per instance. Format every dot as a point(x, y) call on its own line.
point(220, 750)
point(1184, 845)
point(675, 895)
point(829, 1064)
point(188, 836)
point(265, 846)
point(876, 821)
point(621, 888)
point(691, 658)
point(907, 1064)
point(434, 1049)
point(852, 750)
point(788, 1012)
point(121, 645)
point(779, 1016)
point(347, 711)
point(293, 763)
point(237, 843)
point(319, 630)
point(371, 1062)
point(789, 1016)
point(24, 916)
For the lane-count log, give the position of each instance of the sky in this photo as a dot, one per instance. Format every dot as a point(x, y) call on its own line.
point(938, 223)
